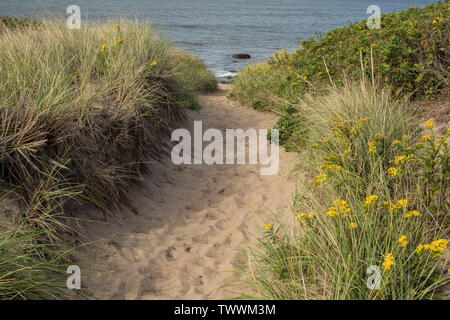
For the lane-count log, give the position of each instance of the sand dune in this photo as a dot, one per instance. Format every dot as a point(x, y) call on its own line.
point(181, 234)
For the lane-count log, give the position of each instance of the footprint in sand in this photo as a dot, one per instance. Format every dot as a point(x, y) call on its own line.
point(192, 220)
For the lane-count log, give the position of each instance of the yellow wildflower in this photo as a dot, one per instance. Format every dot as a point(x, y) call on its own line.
point(117, 27)
point(104, 47)
point(331, 167)
point(321, 178)
point(414, 213)
point(429, 124)
point(305, 216)
point(405, 137)
point(419, 249)
point(402, 203)
point(436, 248)
point(400, 160)
point(420, 145)
point(426, 138)
point(353, 225)
point(267, 227)
point(441, 142)
point(403, 240)
point(370, 201)
point(373, 45)
point(389, 262)
point(154, 63)
point(340, 207)
point(332, 213)
point(393, 171)
point(390, 205)
point(372, 147)
point(395, 142)
point(119, 42)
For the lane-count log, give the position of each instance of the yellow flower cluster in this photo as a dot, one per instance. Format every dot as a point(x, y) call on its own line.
point(403, 240)
point(429, 124)
point(436, 248)
point(353, 225)
point(420, 145)
point(393, 171)
point(401, 204)
point(370, 201)
point(267, 227)
point(372, 147)
point(305, 216)
point(389, 262)
point(331, 167)
point(441, 142)
point(340, 207)
point(400, 160)
point(426, 138)
point(119, 42)
point(320, 178)
point(414, 213)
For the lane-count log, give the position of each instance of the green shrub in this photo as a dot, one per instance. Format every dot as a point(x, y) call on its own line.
point(410, 54)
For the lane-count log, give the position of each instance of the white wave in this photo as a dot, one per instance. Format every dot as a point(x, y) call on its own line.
point(224, 74)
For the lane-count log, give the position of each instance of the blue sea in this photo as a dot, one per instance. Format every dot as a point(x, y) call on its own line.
point(214, 30)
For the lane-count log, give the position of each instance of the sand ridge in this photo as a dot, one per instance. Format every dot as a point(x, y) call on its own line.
point(181, 234)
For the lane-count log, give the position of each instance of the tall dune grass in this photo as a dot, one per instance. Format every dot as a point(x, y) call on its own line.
point(81, 112)
point(379, 197)
point(94, 101)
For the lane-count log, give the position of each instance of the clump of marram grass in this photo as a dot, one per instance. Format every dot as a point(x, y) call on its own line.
point(95, 102)
point(378, 199)
point(26, 271)
point(81, 111)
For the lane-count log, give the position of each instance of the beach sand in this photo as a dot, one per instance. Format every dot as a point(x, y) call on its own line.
point(182, 233)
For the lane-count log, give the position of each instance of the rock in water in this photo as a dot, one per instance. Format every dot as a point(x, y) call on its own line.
point(241, 56)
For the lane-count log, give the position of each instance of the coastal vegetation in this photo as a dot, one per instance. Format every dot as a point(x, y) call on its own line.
point(81, 111)
point(371, 221)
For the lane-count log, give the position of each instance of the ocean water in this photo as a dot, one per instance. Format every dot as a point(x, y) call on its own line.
point(214, 30)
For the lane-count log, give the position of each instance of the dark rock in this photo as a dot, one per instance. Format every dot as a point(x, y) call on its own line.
point(241, 56)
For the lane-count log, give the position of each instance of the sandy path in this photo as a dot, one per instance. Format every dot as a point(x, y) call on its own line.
point(181, 236)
